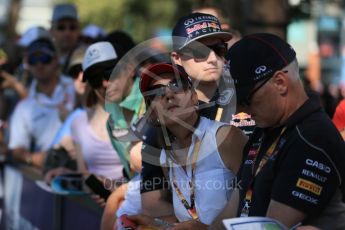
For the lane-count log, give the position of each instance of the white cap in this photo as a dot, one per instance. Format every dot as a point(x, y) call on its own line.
point(32, 34)
point(93, 31)
point(97, 53)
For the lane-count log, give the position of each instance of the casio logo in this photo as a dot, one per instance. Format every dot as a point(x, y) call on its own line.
point(318, 165)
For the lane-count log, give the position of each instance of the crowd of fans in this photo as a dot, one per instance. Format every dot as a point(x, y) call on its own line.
point(167, 133)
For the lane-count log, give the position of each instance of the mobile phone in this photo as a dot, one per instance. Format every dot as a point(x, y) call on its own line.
point(97, 187)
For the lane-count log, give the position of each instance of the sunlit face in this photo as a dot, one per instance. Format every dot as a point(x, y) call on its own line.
point(79, 85)
point(66, 34)
point(174, 105)
point(203, 70)
point(119, 86)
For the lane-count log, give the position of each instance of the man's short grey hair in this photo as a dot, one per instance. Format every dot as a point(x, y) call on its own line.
point(293, 70)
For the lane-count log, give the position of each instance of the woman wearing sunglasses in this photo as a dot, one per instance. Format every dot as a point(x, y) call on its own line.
point(202, 155)
point(96, 154)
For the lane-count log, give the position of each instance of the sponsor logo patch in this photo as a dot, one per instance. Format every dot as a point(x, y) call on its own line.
point(314, 175)
point(309, 186)
point(307, 198)
point(318, 165)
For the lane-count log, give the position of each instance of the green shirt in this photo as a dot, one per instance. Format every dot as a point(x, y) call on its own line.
point(117, 120)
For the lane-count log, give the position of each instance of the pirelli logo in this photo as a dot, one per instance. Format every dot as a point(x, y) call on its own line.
point(309, 186)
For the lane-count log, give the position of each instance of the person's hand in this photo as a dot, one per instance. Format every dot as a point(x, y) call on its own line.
point(141, 219)
point(9, 81)
point(56, 172)
point(99, 200)
point(189, 225)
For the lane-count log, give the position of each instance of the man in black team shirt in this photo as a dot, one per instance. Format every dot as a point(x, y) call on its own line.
point(199, 45)
point(293, 166)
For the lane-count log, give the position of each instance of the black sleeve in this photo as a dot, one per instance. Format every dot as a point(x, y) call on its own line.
point(307, 178)
point(152, 178)
point(152, 175)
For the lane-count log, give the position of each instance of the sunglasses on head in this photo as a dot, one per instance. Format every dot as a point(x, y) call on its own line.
point(63, 27)
point(247, 101)
point(159, 90)
point(201, 52)
point(41, 58)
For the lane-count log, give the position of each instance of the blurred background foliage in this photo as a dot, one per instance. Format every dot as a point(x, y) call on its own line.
point(139, 18)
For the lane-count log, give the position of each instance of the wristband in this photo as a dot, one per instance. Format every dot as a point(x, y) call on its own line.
point(161, 223)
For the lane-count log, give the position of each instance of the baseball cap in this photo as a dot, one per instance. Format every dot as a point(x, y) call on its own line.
point(155, 70)
point(76, 58)
point(93, 31)
point(99, 55)
point(195, 26)
point(64, 11)
point(41, 45)
point(32, 34)
point(257, 57)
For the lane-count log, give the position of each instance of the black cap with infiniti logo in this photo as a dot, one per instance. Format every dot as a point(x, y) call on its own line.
point(255, 58)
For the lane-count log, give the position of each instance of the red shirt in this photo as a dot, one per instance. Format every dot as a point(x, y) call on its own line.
point(339, 116)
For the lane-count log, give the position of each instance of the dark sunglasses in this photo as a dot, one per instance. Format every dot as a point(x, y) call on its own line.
point(96, 79)
point(201, 52)
point(159, 90)
point(75, 70)
point(247, 101)
point(42, 58)
point(65, 27)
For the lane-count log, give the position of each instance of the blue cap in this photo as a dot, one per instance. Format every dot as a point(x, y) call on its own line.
point(195, 26)
point(64, 11)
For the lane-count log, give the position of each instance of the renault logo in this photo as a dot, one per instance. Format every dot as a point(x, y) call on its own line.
point(260, 69)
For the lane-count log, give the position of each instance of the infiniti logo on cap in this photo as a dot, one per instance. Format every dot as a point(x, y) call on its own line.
point(260, 69)
point(188, 22)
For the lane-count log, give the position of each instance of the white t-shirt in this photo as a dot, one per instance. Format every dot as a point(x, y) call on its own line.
point(132, 203)
point(35, 119)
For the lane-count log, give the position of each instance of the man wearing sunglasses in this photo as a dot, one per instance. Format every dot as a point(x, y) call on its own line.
point(37, 118)
point(65, 30)
point(293, 165)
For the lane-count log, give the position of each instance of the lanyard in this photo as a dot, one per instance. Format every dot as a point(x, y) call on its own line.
point(263, 161)
point(190, 208)
point(219, 114)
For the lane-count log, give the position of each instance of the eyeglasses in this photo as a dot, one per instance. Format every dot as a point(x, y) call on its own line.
point(159, 90)
point(247, 100)
point(201, 52)
point(70, 27)
point(42, 58)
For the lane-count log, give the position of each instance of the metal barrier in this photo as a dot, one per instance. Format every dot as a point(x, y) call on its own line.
point(29, 207)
